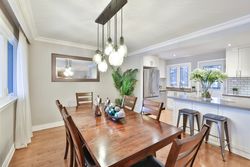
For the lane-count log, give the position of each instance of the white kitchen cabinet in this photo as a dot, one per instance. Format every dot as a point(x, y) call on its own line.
point(150, 61)
point(162, 68)
point(232, 62)
point(237, 62)
point(244, 62)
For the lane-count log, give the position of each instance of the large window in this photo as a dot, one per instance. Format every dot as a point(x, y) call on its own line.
point(10, 68)
point(213, 65)
point(179, 75)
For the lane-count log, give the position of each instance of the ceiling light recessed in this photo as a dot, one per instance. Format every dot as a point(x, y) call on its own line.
point(174, 55)
point(229, 45)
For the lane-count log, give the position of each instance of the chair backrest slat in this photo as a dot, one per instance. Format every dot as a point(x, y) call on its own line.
point(129, 102)
point(77, 141)
point(184, 151)
point(152, 108)
point(85, 97)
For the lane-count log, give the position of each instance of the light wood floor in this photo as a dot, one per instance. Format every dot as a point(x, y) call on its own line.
point(47, 149)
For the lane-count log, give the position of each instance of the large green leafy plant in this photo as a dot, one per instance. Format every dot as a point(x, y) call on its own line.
point(207, 78)
point(124, 82)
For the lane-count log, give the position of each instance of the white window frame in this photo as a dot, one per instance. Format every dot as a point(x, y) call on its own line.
point(178, 66)
point(222, 62)
point(6, 35)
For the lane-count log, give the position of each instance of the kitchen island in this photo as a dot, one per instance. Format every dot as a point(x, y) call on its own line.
point(237, 110)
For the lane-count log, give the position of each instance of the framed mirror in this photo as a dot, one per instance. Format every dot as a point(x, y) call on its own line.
point(67, 68)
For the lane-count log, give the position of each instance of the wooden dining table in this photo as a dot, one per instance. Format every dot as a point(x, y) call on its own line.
point(124, 142)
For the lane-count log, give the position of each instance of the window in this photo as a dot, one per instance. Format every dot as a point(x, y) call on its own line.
point(173, 76)
point(184, 73)
point(216, 85)
point(217, 64)
point(10, 68)
point(179, 75)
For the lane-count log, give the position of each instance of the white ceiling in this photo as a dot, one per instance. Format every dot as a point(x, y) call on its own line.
point(146, 23)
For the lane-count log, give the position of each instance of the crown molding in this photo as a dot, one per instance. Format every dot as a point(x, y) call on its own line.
point(65, 43)
point(213, 29)
point(16, 7)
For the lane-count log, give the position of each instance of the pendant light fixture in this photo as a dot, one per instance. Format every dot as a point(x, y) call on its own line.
point(103, 66)
point(115, 58)
point(109, 44)
point(122, 50)
point(97, 57)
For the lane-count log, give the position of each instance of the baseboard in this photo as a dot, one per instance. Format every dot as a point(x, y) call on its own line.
point(47, 126)
point(9, 156)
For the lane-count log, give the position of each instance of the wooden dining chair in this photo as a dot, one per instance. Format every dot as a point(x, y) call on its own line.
point(182, 153)
point(150, 107)
point(68, 137)
point(83, 98)
point(129, 102)
point(82, 155)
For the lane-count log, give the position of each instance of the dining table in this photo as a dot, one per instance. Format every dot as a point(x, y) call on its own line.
point(123, 142)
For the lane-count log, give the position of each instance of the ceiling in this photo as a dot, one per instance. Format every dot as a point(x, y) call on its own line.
point(146, 23)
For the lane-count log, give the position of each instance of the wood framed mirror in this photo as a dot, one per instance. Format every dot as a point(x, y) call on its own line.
point(66, 68)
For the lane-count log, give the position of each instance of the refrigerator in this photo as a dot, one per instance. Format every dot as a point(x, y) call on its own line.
point(151, 77)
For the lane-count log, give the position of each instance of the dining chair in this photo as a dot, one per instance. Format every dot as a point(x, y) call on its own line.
point(150, 107)
point(68, 137)
point(82, 155)
point(129, 102)
point(83, 98)
point(182, 153)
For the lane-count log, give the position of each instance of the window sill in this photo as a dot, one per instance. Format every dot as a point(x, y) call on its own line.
point(6, 101)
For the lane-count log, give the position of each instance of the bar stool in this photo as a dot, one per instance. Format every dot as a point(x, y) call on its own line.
point(222, 127)
point(189, 114)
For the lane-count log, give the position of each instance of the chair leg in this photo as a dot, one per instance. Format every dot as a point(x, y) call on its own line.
point(71, 164)
point(220, 126)
point(184, 122)
point(178, 120)
point(191, 124)
point(66, 149)
point(227, 136)
point(198, 122)
point(208, 133)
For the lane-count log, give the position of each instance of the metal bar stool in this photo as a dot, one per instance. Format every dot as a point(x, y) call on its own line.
point(222, 127)
point(189, 114)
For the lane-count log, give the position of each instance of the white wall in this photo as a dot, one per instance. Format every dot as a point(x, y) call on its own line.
point(43, 92)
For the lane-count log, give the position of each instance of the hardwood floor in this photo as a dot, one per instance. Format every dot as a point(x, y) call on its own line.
point(47, 150)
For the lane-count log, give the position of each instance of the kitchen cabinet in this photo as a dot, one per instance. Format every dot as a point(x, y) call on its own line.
point(237, 62)
point(162, 68)
point(150, 61)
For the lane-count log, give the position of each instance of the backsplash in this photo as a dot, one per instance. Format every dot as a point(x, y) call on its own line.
point(243, 85)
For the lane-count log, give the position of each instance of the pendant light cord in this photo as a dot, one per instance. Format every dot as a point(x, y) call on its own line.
point(97, 36)
point(116, 30)
point(121, 22)
point(103, 39)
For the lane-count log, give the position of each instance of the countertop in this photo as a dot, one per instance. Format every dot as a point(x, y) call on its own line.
point(233, 95)
point(224, 102)
point(176, 89)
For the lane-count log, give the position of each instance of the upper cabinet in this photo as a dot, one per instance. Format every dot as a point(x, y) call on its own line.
point(237, 62)
point(162, 68)
point(154, 61)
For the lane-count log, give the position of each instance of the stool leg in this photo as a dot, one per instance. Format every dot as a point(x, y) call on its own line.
point(220, 126)
point(184, 122)
point(227, 136)
point(198, 122)
point(191, 124)
point(178, 120)
point(210, 124)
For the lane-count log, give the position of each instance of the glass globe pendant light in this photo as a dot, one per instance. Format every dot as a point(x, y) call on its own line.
point(109, 44)
point(103, 66)
point(115, 58)
point(97, 58)
point(122, 48)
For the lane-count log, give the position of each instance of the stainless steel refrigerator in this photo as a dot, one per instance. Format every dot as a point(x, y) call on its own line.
point(151, 77)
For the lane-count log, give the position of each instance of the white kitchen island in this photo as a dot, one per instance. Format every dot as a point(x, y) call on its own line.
point(237, 110)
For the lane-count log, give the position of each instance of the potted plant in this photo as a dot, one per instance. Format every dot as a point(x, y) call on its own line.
point(206, 78)
point(124, 82)
point(235, 91)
